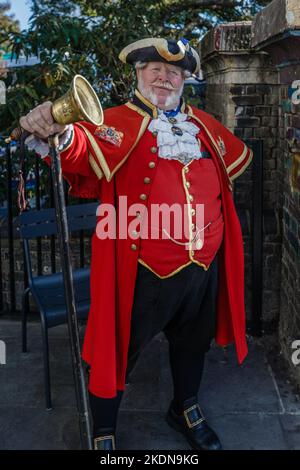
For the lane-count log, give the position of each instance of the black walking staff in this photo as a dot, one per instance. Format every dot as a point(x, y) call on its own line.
point(79, 103)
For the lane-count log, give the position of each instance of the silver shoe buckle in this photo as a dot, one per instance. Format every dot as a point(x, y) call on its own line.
point(194, 423)
point(104, 438)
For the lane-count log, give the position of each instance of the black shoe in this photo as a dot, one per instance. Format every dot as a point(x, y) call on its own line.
point(193, 425)
point(104, 439)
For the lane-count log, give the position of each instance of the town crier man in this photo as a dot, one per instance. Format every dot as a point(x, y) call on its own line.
point(167, 252)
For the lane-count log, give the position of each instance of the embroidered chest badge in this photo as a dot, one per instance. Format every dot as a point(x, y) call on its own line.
point(221, 146)
point(109, 134)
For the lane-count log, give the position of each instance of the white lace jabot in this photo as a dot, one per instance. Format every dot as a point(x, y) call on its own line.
point(176, 137)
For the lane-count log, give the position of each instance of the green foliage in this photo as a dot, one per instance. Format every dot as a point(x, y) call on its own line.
point(7, 25)
point(86, 36)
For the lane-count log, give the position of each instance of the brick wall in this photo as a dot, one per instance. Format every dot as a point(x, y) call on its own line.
point(242, 92)
point(275, 31)
point(250, 85)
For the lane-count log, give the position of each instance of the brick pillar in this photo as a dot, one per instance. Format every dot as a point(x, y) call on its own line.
point(276, 31)
point(243, 93)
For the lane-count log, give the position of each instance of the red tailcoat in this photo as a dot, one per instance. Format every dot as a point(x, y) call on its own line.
point(90, 164)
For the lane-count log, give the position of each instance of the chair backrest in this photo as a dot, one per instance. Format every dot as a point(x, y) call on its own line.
point(38, 223)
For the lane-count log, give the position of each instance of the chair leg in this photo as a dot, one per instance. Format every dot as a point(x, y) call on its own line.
point(46, 366)
point(24, 319)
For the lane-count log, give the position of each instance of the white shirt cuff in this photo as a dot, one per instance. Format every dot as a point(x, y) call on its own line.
point(42, 148)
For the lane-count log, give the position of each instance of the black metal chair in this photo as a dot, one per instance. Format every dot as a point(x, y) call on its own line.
point(48, 290)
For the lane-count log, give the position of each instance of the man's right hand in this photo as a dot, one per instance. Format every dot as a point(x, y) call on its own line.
point(40, 122)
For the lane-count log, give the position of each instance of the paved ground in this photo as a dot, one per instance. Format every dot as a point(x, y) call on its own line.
point(250, 406)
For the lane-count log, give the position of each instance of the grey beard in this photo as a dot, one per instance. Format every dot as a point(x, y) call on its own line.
point(172, 100)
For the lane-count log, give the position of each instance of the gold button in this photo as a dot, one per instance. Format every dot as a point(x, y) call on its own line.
point(151, 164)
point(154, 133)
point(191, 198)
point(193, 212)
point(188, 185)
point(138, 214)
point(153, 149)
point(192, 253)
point(192, 226)
point(186, 169)
point(143, 197)
point(147, 180)
point(133, 247)
point(135, 233)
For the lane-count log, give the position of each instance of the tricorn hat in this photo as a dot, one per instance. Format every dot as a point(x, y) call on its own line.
point(173, 52)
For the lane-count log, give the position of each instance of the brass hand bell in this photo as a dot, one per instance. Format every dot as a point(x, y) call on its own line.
point(79, 103)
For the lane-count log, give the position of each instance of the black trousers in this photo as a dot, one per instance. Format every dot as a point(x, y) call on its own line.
point(183, 306)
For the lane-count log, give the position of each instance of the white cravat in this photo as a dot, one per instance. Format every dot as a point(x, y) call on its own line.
point(179, 145)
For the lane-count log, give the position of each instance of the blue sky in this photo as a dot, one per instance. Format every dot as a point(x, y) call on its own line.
point(21, 10)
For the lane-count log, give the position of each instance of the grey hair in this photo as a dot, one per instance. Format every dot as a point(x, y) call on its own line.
point(141, 65)
point(187, 73)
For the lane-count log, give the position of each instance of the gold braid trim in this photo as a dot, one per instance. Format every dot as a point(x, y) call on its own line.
point(241, 170)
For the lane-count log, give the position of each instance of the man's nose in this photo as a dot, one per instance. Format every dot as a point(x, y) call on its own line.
point(163, 75)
